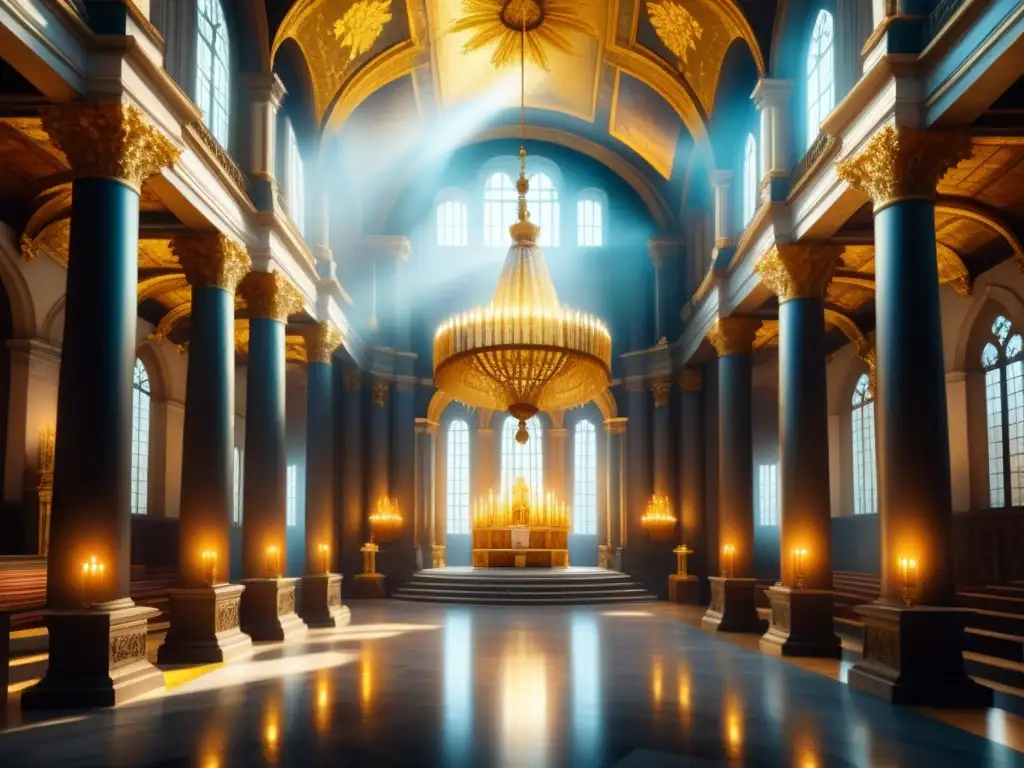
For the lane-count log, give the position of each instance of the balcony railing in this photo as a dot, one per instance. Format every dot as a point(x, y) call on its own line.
point(196, 132)
point(813, 157)
point(937, 19)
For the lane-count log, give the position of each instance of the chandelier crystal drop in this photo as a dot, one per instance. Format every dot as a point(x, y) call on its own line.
point(523, 352)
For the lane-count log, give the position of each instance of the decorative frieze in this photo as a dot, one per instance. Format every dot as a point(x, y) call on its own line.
point(286, 602)
point(227, 615)
point(127, 647)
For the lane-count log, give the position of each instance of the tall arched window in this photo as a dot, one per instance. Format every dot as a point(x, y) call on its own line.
point(821, 81)
point(213, 68)
point(544, 211)
point(590, 222)
point(584, 497)
point(526, 461)
point(749, 179)
point(865, 496)
point(140, 439)
point(1004, 398)
point(452, 223)
point(295, 180)
point(457, 497)
point(500, 200)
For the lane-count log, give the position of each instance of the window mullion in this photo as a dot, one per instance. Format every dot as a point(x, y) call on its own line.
point(1005, 403)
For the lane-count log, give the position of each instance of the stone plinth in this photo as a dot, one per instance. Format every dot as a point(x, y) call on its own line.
point(370, 586)
point(320, 601)
point(801, 624)
point(268, 610)
point(732, 607)
point(684, 590)
point(205, 626)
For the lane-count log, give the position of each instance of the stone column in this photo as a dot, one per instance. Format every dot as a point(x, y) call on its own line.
point(635, 552)
point(268, 603)
point(555, 475)
point(912, 655)
point(771, 99)
point(374, 585)
point(265, 94)
point(321, 586)
point(721, 185)
point(205, 611)
point(425, 509)
point(96, 632)
point(616, 488)
point(349, 466)
point(802, 603)
point(691, 489)
point(400, 556)
point(663, 454)
point(732, 607)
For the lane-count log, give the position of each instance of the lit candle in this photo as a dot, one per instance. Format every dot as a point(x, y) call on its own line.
point(93, 573)
point(210, 566)
point(729, 560)
point(908, 570)
point(273, 562)
point(799, 563)
point(325, 557)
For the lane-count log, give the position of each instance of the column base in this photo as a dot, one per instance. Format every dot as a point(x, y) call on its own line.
point(370, 586)
point(205, 626)
point(320, 601)
point(684, 590)
point(732, 607)
point(915, 656)
point(268, 610)
point(97, 658)
point(802, 623)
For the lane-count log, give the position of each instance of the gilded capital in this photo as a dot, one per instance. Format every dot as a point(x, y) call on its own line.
point(109, 139)
point(661, 390)
point(270, 295)
point(381, 388)
point(800, 270)
point(690, 380)
point(903, 162)
point(321, 341)
point(733, 335)
point(211, 258)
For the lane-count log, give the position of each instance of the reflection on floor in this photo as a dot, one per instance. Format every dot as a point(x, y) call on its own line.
point(436, 685)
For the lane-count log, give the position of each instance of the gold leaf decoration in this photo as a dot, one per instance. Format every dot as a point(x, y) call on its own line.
point(361, 25)
point(676, 27)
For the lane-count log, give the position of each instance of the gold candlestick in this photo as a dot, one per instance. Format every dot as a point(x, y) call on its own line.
point(681, 552)
point(325, 558)
point(93, 577)
point(908, 570)
point(210, 566)
point(799, 563)
point(728, 561)
point(273, 563)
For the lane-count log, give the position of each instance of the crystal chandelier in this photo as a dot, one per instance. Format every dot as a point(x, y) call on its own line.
point(523, 352)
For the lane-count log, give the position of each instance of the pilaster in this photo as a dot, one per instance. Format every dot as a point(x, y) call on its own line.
point(771, 99)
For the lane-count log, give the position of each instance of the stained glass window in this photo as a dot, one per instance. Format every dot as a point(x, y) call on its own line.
point(584, 498)
point(526, 461)
point(865, 468)
point(140, 439)
point(1004, 410)
point(821, 85)
point(457, 497)
point(213, 69)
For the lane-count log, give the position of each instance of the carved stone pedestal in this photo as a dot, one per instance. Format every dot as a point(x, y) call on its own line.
point(205, 626)
point(97, 658)
point(370, 586)
point(268, 610)
point(732, 607)
point(915, 656)
point(684, 590)
point(801, 623)
point(320, 601)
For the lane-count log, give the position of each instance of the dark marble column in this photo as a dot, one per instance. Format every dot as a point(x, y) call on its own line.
point(320, 605)
point(732, 607)
point(662, 451)
point(425, 511)
point(802, 603)
point(378, 483)
point(691, 490)
point(268, 603)
point(349, 471)
point(205, 610)
point(616, 490)
point(635, 544)
point(400, 556)
point(914, 634)
point(97, 634)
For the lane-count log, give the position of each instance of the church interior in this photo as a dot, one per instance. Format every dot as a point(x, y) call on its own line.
point(512, 382)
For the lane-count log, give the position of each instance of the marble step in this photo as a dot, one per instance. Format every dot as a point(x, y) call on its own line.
point(998, 644)
point(991, 602)
point(997, 621)
point(415, 589)
point(507, 586)
point(564, 599)
point(1002, 671)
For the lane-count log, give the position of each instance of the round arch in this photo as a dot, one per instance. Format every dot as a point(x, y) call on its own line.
point(1001, 295)
point(23, 310)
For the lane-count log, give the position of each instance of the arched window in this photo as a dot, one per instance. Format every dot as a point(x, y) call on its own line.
point(584, 497)
point(821, 81)
point(452, 223)
point(295, 180)
point(213, 69)
point(526, 461)
point(1004, 398)
point(543, 203)
point(457, 498)
point(865, 496)
point(140, 439)
point(750, 186)
point(500, 200)
point(590, 222)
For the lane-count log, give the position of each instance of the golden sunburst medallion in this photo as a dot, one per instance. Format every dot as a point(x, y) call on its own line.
point(361, 25)
point(675, 26)
point(547, 22)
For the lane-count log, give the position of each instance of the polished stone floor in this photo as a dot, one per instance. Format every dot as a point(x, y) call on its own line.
point(434, 685)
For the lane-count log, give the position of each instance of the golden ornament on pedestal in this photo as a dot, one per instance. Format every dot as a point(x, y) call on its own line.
point(658, 520)
point(385, 520)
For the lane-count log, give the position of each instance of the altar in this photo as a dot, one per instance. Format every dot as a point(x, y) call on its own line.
point(525, 530)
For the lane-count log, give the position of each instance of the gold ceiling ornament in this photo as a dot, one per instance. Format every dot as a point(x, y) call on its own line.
point(322, 340)
point(211, 259)
point(676, 28)
point(516, 24)
point(54, 240)
point(270, 295)
point(361, 26)
point(800, 270)
point(953, 271)
point(903, 162)
point(661, 390)
point(523, 352)
point(109, 139)
point(733, 335)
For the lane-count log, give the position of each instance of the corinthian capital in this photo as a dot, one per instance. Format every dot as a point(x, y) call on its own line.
point(733, 335)
point(321, 341)
point(903, 162)
point(210, 258)
point(270, 295)
point(800, 270)
point(109, 139)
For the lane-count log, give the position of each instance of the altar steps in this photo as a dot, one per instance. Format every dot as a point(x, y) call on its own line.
point(530, 586)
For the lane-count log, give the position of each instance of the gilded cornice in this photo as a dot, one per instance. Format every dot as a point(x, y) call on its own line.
point(270, 295)
point(661, 390)
point(690, 380)
point(799, 270)
point(109, 139)
point(211, 259)
point(321, 341)
point(901, 162)
point(733, 335)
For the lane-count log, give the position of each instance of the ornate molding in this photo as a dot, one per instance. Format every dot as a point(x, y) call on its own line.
point(127, 647)
point(733, 335)
point(616, 426)
point(211, 259)
point(109, 140)
point(691, 380)
point(227, 615)
point(321, 341)
point(381, 388)
point(270, 295)
point(799, 270)
point(661, 390)
point(901, 162)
